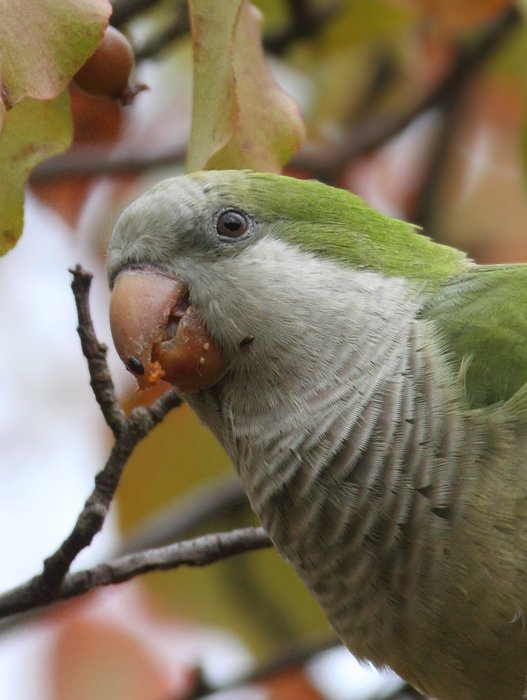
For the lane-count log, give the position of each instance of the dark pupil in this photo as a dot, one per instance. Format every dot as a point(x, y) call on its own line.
point(232, 223)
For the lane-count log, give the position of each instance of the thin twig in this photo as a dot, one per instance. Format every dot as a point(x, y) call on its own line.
point(201, 551)
point(373, 132)
point(128, 432)
point(95, 353)
point(98, 161)
point(55, 583)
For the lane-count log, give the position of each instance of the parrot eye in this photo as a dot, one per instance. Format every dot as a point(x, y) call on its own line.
point(232, 224)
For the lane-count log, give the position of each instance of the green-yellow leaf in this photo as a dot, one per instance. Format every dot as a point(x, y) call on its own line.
point(241, 116)
point(33, 131)
point(44, 42)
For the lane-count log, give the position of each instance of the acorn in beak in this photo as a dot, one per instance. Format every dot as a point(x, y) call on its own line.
point(159, 335)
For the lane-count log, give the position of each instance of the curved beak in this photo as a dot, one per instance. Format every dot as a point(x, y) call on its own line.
point(159, 335)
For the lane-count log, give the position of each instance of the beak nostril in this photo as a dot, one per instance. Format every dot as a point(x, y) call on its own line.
point(135, 365)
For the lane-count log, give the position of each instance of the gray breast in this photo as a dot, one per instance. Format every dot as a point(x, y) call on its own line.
point(354, 476)
point(371, 477)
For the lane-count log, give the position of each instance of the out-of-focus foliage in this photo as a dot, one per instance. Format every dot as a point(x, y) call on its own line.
point(42, 45)
point(458, 14)
point(241, 117)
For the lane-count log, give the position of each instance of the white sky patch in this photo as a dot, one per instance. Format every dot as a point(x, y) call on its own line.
point(339, 676)
point(24, 664)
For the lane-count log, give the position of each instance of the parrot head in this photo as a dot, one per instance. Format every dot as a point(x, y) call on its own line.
point(225, 272)
point(200, 287)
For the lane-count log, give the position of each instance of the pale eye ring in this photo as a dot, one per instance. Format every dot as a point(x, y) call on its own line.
point(232, 224)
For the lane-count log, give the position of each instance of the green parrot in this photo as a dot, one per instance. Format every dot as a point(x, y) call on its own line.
point(370, 387)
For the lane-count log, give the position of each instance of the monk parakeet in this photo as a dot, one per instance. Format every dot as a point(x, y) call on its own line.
point(370, 387)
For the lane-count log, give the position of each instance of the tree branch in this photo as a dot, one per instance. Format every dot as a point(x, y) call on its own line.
point(95, 353)
point(198, 552)
point(55, 583)
point(372, 132)
point(128, 432)
point(98, 161)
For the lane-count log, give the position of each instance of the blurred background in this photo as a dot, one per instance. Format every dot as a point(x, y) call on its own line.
point(418, 106)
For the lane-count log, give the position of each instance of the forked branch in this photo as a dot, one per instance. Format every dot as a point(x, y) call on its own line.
point(55, 582)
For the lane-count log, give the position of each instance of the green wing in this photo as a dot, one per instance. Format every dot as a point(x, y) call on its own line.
point(482, 315)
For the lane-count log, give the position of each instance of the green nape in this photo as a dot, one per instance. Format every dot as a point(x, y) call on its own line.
point(339, 225)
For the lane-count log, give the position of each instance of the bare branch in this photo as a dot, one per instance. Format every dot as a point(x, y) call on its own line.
point(95, 352)
point(128, 433)
point(55, 583)
point(91, 520)
point(173, 31)
point(198, 552)
point(99, 161)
